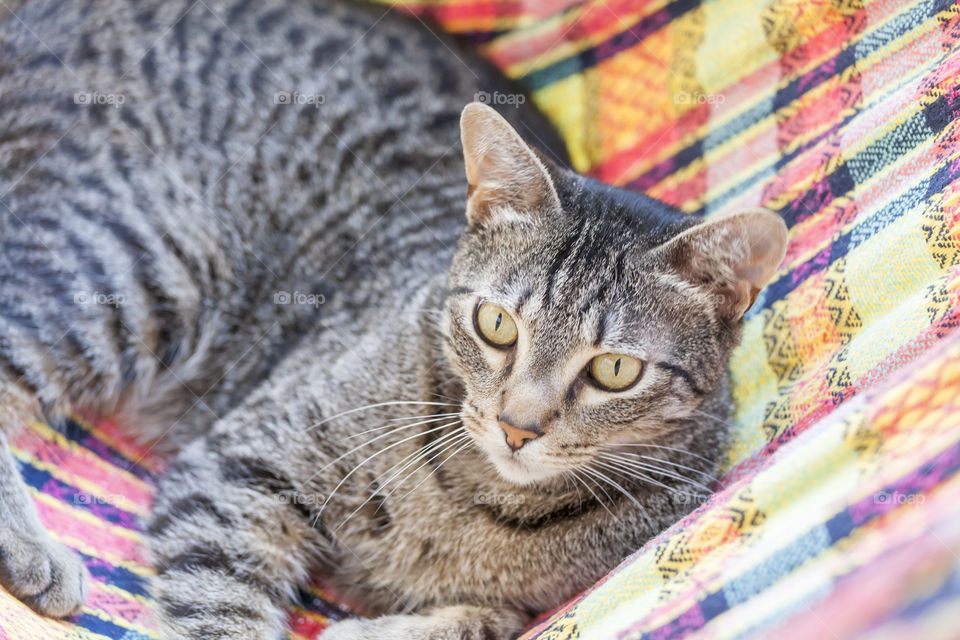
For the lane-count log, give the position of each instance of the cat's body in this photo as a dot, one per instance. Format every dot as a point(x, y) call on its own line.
point(242, 236)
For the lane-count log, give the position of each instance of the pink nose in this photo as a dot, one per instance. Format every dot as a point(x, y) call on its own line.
point(516, 438)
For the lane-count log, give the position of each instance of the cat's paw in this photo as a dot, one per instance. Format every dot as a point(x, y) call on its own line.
point(43, 574)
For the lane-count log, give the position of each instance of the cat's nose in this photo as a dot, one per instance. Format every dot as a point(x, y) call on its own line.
point(517, 437)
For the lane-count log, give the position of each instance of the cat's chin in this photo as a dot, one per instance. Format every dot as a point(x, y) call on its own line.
point(518, 472)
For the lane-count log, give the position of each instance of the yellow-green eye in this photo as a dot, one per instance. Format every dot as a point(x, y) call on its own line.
point(615, 371)
point(495, 325)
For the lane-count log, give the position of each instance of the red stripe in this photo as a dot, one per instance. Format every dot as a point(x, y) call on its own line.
point(615, 168)
point(594, 20)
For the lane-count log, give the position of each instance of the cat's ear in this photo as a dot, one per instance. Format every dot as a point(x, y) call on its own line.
point(733, 257)
point(505, 176)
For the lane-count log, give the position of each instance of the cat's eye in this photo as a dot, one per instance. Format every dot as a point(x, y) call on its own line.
point(614, 371)
point(495, 325)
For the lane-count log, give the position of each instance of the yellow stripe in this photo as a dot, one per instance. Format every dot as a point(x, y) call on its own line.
point(877, 133)
point(112, 558)
point(121, 622)
point(771, 119)
point(116, 499)
point(149, 603)
point(86, 517)
point(567, 48)
point(861, 220)
point(62, 441)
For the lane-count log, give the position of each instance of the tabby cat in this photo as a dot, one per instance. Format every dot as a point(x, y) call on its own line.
point(239, 225)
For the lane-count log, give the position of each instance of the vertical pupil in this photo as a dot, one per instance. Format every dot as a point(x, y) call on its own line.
point(496, 327)
point(616, 367)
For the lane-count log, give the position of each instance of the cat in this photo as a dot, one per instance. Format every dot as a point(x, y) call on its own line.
point(435, 364)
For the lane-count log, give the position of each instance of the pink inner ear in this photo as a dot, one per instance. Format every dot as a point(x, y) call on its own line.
point(734, 256)
point(502, 171)
point(765, 236)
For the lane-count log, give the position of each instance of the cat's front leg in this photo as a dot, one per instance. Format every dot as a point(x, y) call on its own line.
point(33, 566)
point(228, 544)
point(440, 623)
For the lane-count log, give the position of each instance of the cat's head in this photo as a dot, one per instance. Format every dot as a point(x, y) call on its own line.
point(580, 316)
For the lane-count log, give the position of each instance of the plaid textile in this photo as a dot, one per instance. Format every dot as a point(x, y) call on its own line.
point(839, 514)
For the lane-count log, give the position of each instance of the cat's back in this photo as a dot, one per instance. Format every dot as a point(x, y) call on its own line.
point(290, 122)
point(173, 172)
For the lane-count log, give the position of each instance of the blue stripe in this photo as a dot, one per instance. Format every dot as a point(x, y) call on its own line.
point(44, 482)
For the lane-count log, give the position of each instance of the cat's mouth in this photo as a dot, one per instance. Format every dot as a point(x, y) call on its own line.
point(512, 468)
point(522, 467)
point(525, 466)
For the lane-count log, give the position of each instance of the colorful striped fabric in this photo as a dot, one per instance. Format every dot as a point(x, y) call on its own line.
point(839, 514)
point(94, 490)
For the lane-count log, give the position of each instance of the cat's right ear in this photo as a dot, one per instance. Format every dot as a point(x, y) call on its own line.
point(733, 256)
point(506, 178)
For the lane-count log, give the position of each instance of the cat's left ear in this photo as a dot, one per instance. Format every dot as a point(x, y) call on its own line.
point(732, 257)
point(505, 176)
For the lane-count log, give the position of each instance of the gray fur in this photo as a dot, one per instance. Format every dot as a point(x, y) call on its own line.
point(147, 248)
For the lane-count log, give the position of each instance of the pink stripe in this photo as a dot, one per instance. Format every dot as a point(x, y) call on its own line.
point(104, 542)
point(83, 464)
point(116, 605)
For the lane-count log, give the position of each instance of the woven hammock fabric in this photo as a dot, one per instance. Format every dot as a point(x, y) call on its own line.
point(839, 513)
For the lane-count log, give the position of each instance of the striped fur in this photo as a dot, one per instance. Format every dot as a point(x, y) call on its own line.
point(234, 223)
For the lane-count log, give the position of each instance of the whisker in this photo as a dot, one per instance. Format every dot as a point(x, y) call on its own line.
point(644, 478)
point(437, 468)
point(411, 459)
point(452, 413)
point(599, 486)
point(598, 474)
point(635, 464)
point(375, 405)
point(569, 480)
point(367, 442)
point(671, 463)
point(435, 417)
point(666, 448)
point(431, 456)
point(371, 457)
point(637, 475)
point(630, 496)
